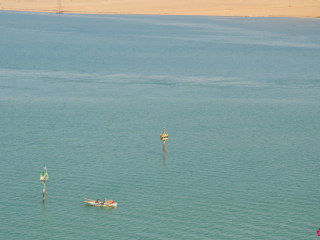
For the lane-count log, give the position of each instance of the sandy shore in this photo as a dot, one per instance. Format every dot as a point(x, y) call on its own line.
point(249, 8)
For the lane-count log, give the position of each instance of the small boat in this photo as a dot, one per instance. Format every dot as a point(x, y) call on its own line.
point(97, 203)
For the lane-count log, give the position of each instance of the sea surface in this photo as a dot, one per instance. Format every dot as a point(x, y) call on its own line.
point(88, 96)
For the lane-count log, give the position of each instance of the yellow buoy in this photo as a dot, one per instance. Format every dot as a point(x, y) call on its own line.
point(164, 136)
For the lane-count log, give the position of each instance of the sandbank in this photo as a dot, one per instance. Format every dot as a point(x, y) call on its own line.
point(243, 8)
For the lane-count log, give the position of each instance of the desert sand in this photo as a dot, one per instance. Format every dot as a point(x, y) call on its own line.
point(244, 8)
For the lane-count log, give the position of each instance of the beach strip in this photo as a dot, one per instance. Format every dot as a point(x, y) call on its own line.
point(243, 8)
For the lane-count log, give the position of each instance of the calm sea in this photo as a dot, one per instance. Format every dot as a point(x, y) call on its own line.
point(88, 96)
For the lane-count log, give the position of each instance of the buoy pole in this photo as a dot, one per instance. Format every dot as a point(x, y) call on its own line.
point(44, 176)
point(44, 191)
point(164, 136)
point(164, 147)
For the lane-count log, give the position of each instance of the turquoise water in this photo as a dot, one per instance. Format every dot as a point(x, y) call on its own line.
point(88, 96)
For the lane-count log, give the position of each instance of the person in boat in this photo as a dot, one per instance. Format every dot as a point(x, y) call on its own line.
point(105, 200)
point(97, 201)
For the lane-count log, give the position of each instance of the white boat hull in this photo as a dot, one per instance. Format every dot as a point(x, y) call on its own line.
point(101, 204)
